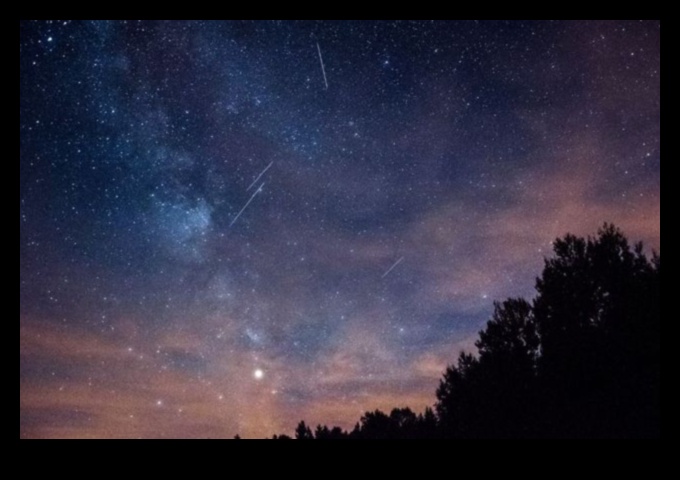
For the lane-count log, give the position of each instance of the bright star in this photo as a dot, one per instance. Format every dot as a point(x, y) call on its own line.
point(258, 374)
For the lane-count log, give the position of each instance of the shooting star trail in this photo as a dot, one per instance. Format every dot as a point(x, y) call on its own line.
point(258, 177)
point(246, 205)
point(392, 267)
point(323, 70)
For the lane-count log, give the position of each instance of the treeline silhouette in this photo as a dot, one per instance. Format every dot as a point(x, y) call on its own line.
point(582, 360)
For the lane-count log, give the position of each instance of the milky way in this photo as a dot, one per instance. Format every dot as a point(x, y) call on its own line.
point(226, 227)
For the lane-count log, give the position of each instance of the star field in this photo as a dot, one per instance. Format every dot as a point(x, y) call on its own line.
point(226, 227)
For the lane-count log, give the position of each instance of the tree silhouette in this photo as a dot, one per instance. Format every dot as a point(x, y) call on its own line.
point(597, 315)
point(581, 360)
point(487, 396)
point(303, 432)
point(456, 397)
point(325, 433)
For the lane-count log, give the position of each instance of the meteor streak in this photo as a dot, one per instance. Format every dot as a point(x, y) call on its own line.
point(258, 177)
point(390, 269)
point(247, 203)
point(323, 70)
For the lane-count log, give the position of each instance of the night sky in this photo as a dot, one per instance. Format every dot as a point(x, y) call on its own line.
point(227, 227)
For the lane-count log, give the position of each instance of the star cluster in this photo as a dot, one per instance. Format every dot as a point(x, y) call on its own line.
point(228, 226)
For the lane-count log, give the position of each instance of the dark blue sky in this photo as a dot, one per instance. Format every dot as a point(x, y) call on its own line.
point(457, 150)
